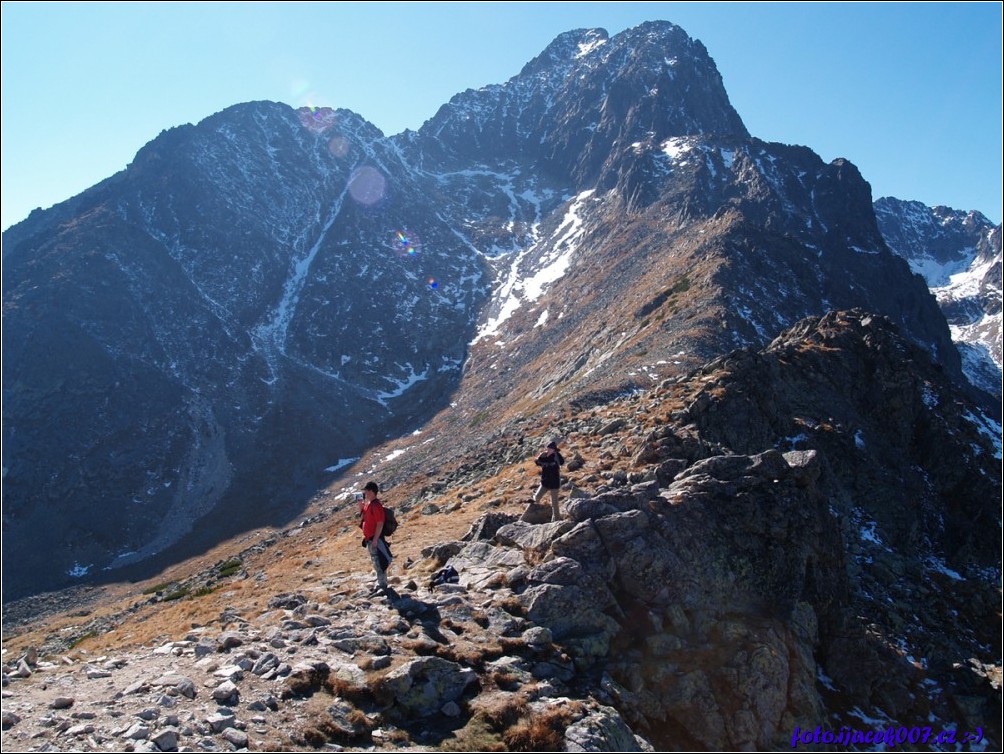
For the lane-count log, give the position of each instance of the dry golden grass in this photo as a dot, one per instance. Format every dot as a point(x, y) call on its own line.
point(476, 735)
point(501, 710)
point(540, 731)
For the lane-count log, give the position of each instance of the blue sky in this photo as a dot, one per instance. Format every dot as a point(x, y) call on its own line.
point(909, 92)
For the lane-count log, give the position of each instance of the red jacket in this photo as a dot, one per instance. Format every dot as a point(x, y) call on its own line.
point(373, 514)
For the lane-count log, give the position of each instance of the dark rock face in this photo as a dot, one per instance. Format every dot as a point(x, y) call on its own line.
point(236, 302)
point(827, 545)
point(893, 429)
point(213, 333)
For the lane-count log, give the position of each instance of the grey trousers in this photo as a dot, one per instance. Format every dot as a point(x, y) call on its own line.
point(378, 548)
point(555, 510)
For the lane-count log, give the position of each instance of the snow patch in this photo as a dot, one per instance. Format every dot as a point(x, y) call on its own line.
point(341, 464)
point(676, 148)
point(989, 429)
point(518, 290)
point(792, 441)
point(273, 334)
point(929, 397)
point(587, 47)
point(868, 534)
point(402, 386)
point(874, 721)
point(967, 283)
point(934, 564)
point(78, 571)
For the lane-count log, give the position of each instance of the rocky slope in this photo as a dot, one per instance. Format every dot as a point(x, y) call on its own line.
point(199, 321)
point(784, 539)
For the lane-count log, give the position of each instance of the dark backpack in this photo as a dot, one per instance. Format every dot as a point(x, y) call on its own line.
point(389, 522)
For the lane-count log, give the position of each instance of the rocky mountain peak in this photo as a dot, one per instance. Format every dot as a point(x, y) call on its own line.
point(261, 297)
point(958, 253)
point(588, 97)
point(937, 241)
point(562, 53)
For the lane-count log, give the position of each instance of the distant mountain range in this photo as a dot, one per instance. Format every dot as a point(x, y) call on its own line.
point(194, 345)
point(959, 256)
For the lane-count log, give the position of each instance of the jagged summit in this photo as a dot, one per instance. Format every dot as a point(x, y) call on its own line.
point(586, 98)
point(559, 56)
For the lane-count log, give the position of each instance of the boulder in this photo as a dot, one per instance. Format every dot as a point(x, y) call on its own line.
point(537, 513)
point(602, 730)
point(423, 686)
point(531, 538)
point(568, 610)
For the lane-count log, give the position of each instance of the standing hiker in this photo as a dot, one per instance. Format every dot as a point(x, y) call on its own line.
point(373, 518)
point(550, 462)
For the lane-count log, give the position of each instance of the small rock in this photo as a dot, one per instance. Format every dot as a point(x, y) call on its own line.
point(265, 663)
point(537, 637)
point(61, 702)
point(136, 687)
point(219, 722)
point(137, 731)
point(228, 640)
point(231, 672)
point(226, 693)
point(166, 739)
point(238, 738)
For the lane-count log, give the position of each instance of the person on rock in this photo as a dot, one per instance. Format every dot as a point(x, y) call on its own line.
point(372, 521)
point(550, 462)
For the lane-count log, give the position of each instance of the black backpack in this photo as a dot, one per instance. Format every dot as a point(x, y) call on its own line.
point(389, 522)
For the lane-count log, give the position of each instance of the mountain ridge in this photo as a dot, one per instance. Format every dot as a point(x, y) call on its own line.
point(959, 255)
point(265, 352)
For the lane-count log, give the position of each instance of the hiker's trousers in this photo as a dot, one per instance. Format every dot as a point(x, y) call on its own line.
point(381, 558)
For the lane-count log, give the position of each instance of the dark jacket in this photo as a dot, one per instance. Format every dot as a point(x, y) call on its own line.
point(550, 469)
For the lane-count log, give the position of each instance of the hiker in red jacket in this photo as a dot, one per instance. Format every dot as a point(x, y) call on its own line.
point(373, 517)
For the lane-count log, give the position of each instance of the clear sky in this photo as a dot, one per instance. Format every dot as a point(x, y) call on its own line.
point(909, 92)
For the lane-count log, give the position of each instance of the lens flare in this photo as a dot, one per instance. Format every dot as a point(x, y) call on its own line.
point(405, 243)
point(367, 185)
point(317, 119)
point(433, 284)
point(338, 146)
